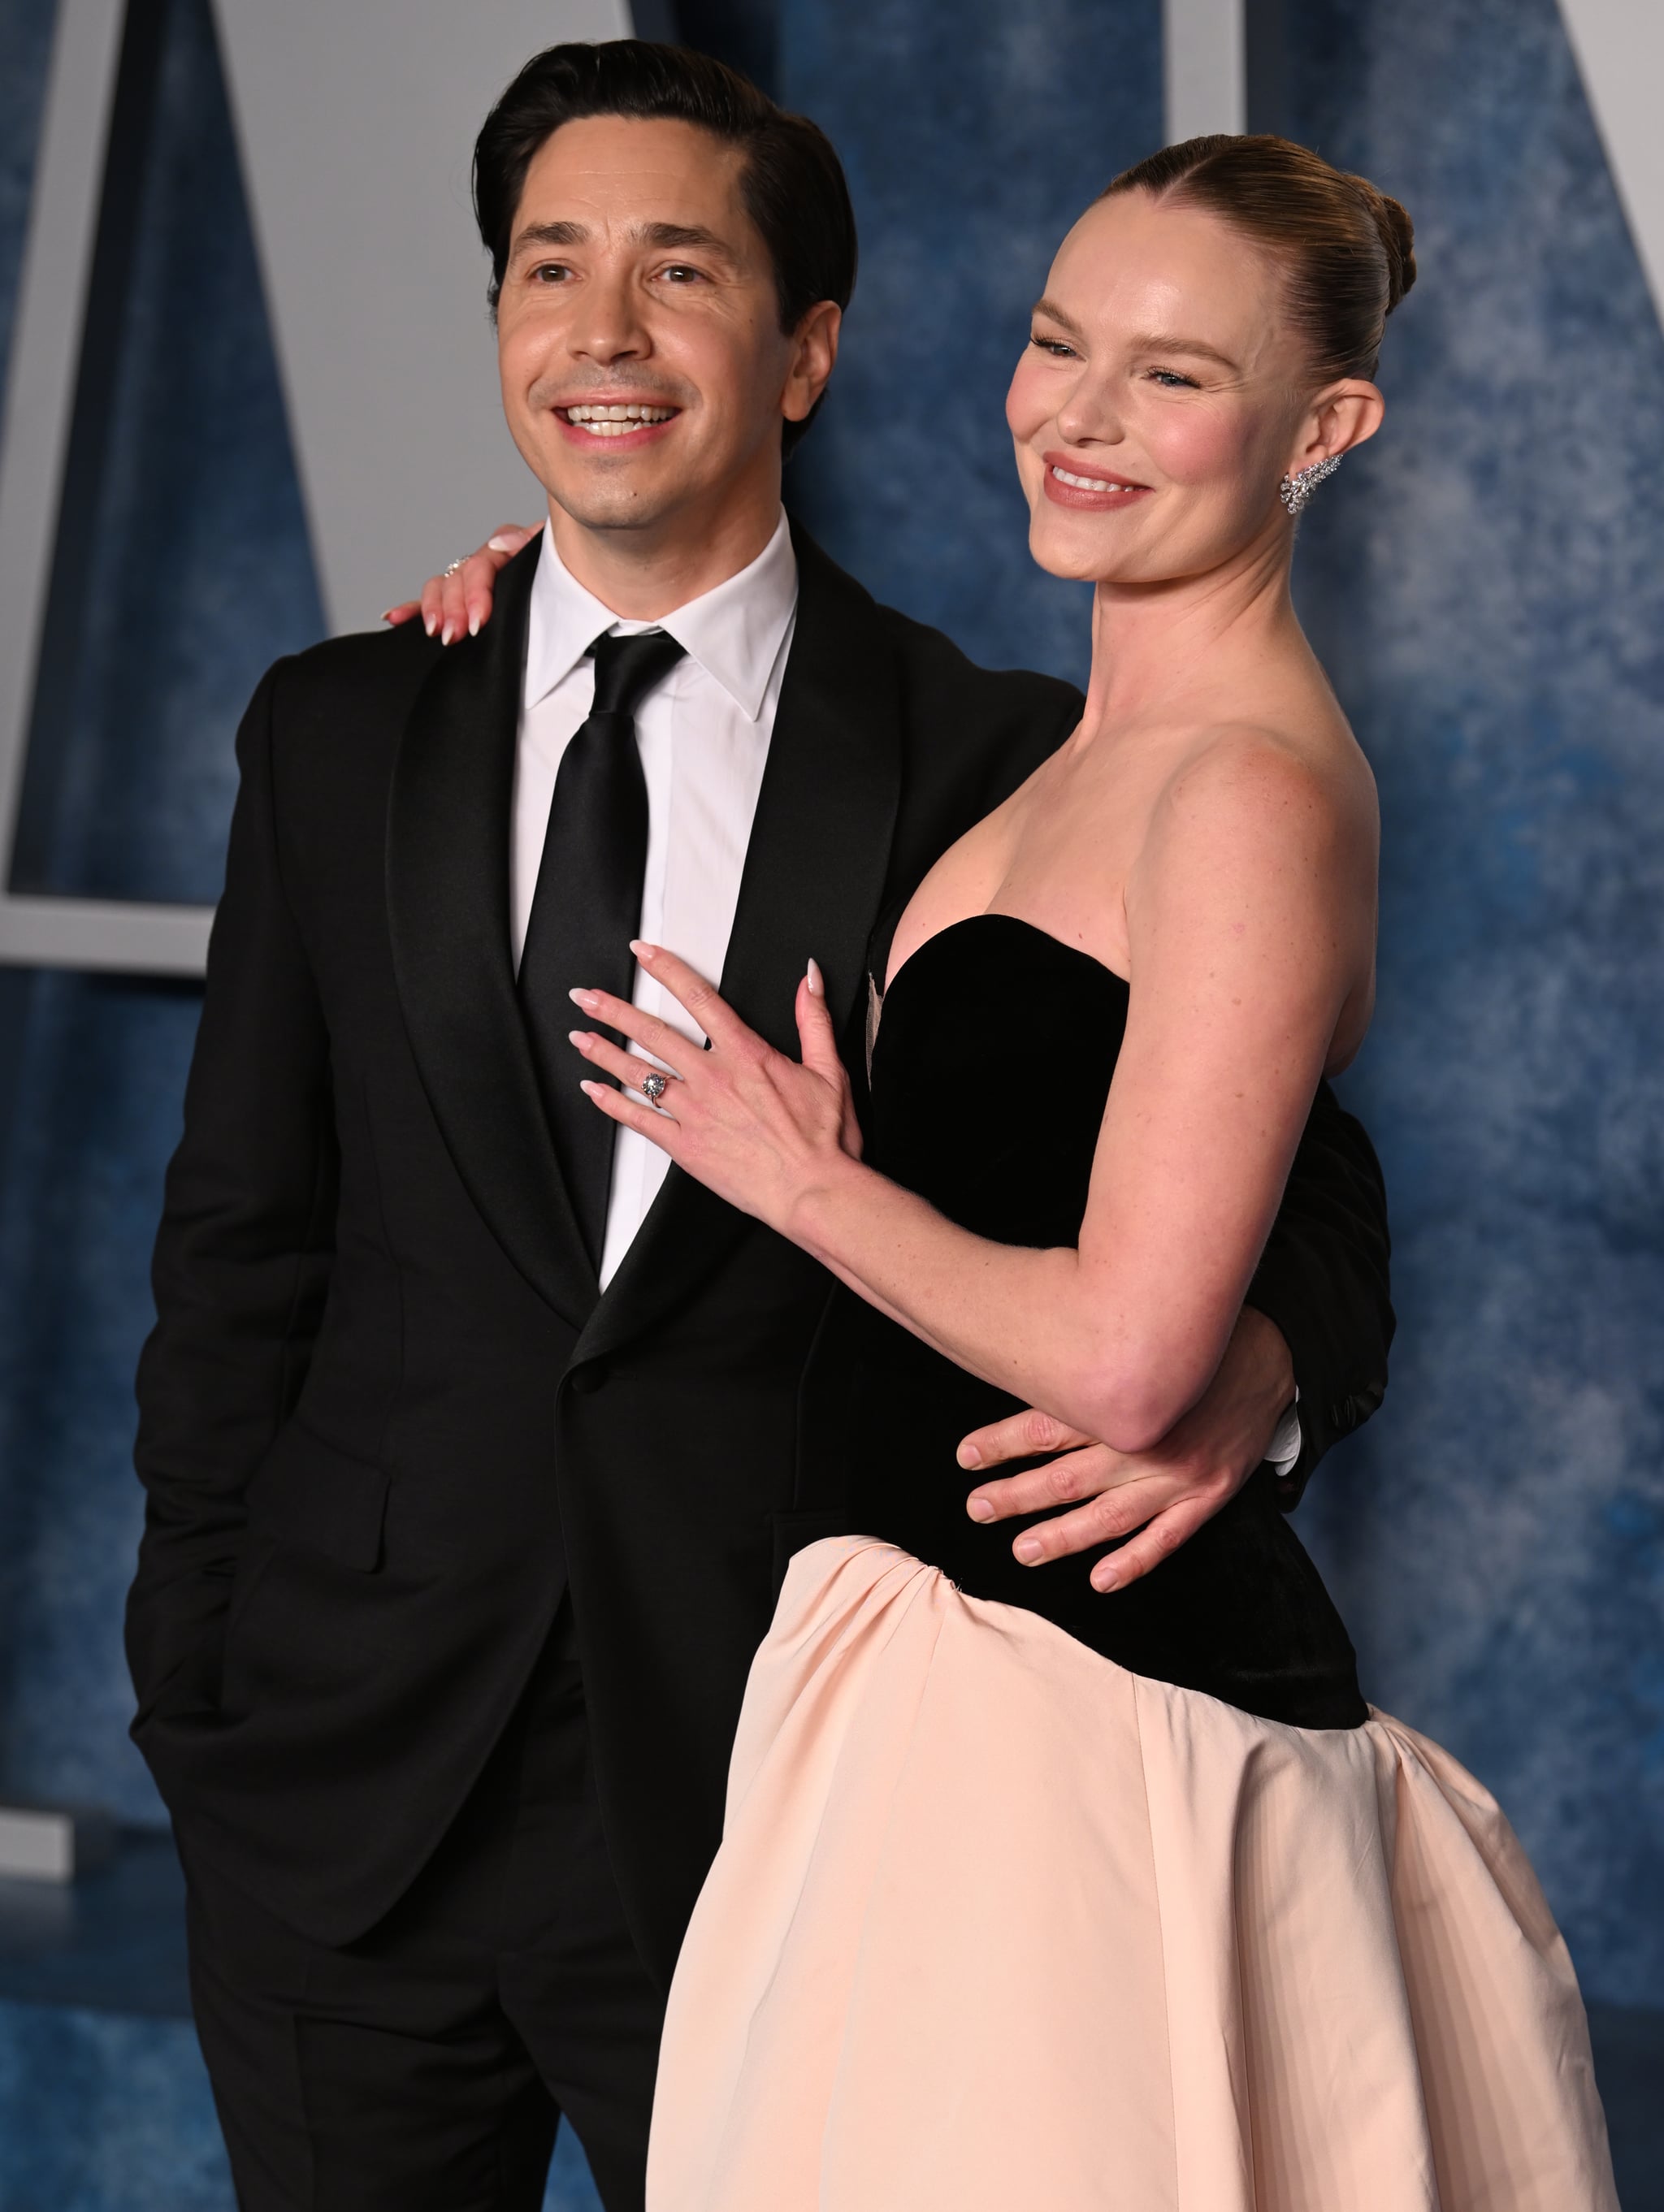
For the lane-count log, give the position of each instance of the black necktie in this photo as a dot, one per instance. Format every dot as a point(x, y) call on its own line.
point(587, 905)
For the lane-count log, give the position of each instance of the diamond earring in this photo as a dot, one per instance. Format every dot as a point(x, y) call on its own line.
point(1295, 490)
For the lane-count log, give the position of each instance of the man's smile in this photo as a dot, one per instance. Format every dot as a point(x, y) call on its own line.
point(616, 420)
point(627, 422)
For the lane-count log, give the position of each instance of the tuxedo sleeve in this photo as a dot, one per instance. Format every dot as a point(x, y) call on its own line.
point(243, 1255)
point(1323, 1278)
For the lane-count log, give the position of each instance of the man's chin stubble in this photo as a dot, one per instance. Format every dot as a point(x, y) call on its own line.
point(618, 511)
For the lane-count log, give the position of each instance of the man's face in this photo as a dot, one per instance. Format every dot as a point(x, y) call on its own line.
point(644, 371)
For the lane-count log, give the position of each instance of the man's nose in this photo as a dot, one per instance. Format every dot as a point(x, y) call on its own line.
point(608, 325)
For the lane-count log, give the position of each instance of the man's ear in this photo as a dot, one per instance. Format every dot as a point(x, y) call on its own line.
point(814, 357)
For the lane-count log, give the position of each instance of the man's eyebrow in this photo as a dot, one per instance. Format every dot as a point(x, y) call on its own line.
point(692, 237)
point(550, 234)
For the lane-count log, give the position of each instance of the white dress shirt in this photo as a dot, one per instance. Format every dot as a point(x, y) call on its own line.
point(703, 735)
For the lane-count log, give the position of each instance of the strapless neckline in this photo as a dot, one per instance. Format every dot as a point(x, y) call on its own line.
point(1002, 922)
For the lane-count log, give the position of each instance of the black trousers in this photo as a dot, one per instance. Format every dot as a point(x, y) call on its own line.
point(425, 2068)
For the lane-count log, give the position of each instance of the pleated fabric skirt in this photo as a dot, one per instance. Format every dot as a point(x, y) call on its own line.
point(998, 1927)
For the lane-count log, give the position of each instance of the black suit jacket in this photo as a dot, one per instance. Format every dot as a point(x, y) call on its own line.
point(386, 1416)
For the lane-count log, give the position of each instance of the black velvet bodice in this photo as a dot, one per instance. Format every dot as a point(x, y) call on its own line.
point(976, 1107)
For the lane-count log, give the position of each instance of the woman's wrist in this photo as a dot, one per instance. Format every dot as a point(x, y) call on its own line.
point(819, 1215)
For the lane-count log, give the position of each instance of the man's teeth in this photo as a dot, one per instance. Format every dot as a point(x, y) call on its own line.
point(617, 421)
point(1089, 483)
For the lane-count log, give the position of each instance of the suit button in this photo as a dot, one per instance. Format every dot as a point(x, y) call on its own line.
point(590, 1379)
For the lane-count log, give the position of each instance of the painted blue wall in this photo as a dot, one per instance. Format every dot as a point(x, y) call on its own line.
point(1485, 585)
point(973, 134)
point(137, 2132)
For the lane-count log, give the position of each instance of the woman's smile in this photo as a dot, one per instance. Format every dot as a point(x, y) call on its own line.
point(1072, 485)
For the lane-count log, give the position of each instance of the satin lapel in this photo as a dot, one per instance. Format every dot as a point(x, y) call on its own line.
point(814, 876)
point(448, 826)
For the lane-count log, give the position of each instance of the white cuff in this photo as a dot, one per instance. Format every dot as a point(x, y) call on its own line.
point(1289, 1441)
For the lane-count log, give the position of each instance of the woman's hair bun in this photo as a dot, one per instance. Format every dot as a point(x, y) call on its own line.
point(1398, 236)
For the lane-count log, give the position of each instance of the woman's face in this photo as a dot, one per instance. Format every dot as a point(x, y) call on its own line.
point(1160, 398)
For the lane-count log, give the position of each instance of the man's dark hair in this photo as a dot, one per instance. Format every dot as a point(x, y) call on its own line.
point(791, 183)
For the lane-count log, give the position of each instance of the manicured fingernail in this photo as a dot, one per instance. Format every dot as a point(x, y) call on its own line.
point(387, 614)
point(498, 544)
point(579, 1037)
point(817, 982)
point(582, 998)
point(591, 1090)
point(473, 625)
point(644, 953)
point(445, 635)
point(429, 622)
point(979, 1509)
point(1104, 1577)
point(1027, 1549)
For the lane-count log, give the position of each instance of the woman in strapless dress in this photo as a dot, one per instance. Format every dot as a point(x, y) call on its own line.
point(1034, 1895)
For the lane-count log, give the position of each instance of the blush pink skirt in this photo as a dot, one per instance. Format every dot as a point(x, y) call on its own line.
point(999, 1927)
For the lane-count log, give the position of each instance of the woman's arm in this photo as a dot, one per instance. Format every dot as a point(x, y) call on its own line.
point(1249, 930)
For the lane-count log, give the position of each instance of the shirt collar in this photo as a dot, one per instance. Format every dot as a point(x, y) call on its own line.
point(735, 632)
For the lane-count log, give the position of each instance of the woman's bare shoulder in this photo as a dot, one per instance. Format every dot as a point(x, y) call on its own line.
point(1273, 831)
point(1290, 779)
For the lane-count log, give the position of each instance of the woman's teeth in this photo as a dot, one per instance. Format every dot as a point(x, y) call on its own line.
point(1091, 484)
point(616, 421)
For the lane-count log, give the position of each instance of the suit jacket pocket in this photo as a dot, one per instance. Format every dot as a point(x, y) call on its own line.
point(796, 1532)
point(308, 1490)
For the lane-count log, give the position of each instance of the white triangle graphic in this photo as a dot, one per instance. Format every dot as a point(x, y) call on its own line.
point(1619, 48)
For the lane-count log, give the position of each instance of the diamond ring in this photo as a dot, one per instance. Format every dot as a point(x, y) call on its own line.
point(655, 1086)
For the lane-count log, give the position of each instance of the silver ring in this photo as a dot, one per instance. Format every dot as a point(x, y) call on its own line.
point(455, 566)
point(653, 1086)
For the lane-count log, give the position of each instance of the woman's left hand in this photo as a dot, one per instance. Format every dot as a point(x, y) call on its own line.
point(760, 1130)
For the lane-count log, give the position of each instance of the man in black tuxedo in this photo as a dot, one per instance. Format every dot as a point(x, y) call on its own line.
point(472, 1452)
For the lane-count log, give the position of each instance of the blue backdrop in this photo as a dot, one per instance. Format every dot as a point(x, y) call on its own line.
point(1484, 584)
point(1488, 591)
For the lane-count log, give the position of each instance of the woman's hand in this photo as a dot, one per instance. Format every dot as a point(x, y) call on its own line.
point(1164, 1493)
point(458, 602)
point(759, 1129)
